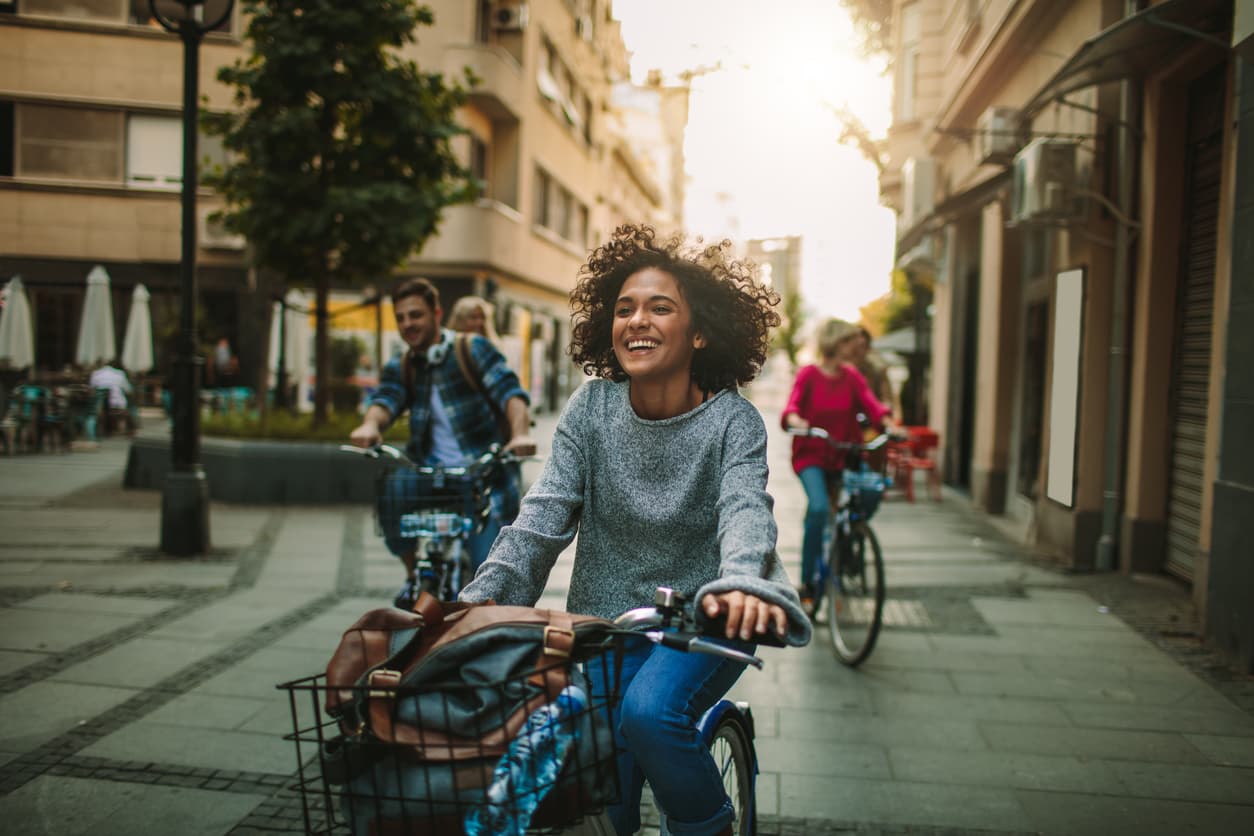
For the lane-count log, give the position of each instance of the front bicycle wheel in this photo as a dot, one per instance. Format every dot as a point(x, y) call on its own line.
point(855, 594)
point(733, 756)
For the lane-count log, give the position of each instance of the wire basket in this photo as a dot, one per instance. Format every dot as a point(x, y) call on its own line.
point(426, 501)
point(438, 763)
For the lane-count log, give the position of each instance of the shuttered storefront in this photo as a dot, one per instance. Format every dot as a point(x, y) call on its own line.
point(1191, 367)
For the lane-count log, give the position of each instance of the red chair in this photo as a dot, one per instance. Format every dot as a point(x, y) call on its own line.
point(919, 453)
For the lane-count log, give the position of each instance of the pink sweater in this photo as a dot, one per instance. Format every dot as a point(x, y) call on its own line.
point(833, 404)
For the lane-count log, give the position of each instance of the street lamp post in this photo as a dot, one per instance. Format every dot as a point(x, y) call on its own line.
point(185, 498)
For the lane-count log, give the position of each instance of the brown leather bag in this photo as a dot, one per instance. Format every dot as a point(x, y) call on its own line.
point(429, 701)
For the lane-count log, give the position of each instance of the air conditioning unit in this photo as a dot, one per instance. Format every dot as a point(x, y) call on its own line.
point(509, 17)
point(214, 236)
point(1045, 184)
point(918, 189)
point(996, 136)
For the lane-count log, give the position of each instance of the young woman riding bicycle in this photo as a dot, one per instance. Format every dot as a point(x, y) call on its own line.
point(829, 394)
point(660, 467)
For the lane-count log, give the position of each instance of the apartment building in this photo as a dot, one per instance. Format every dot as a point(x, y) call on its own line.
point(1068, 175)
point(90, 96)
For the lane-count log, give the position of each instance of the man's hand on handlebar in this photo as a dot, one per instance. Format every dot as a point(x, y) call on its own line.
point(367, 435)
point(521, 446)
point(747, 615)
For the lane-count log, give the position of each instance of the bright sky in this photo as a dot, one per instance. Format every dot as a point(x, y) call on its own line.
point(762, 152)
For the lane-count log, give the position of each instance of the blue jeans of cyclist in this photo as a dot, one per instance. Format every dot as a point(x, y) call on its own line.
point(814, 480)
point(664, 693)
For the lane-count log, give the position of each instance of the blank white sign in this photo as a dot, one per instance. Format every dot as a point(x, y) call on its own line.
point(1064, 390)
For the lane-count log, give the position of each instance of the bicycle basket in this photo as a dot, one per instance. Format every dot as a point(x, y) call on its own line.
point(420, 502)
point(556, 767)
point(868, 485)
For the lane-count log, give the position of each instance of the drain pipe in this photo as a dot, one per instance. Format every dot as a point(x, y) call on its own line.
point(1117, 363)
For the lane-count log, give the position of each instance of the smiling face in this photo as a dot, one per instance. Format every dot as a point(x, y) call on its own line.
point(418, 323)
point(654, 336)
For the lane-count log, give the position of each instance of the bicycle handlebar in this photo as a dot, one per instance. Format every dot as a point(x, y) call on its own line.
point(694, 631)
point(495, 454)
point(866, 447)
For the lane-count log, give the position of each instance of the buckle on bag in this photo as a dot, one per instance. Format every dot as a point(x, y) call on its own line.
point(389, 677)
point(563, 651)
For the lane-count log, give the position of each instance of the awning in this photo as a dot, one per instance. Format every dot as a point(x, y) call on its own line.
point(1137, 45)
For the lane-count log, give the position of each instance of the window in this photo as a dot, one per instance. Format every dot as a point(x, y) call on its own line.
point(908, 72)
point(542, 186)
point(154, 151)
point(479, 165)
point(562, 94)
point(69, 143)
point(110, 10)
point(6, 139)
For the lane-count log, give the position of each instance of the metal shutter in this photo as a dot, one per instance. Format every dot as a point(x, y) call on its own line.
point(1191, 367)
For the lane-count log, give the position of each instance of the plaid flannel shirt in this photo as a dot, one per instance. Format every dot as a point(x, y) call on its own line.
point(473, 421)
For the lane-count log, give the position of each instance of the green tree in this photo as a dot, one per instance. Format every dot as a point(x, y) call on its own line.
point(341, 158)
point(788, 335)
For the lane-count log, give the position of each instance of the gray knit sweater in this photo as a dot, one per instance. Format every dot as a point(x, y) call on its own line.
point(680, 502)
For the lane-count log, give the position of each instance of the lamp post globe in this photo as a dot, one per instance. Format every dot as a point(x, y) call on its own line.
point(185, 496)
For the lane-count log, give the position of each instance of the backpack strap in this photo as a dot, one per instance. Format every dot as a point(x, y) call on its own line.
point(474, 378)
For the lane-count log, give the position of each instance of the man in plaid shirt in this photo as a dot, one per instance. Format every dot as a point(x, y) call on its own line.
point(450, 423)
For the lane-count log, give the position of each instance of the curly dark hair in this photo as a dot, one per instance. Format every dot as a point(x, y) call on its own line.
point(730, 307)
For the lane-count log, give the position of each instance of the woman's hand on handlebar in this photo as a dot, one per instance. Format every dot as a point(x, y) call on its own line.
point(793, 421)
point(747, 615)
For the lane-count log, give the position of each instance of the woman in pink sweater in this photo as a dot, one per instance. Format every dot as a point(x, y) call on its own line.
point(830, 395)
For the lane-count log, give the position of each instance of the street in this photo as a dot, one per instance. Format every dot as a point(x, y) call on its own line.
point(1003, 696)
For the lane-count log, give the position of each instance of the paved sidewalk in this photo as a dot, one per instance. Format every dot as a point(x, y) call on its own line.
point(138, 692)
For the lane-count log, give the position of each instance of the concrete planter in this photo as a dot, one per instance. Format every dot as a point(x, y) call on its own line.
point(262, 472)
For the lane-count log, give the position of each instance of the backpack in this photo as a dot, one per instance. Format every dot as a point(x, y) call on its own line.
point(433, 704)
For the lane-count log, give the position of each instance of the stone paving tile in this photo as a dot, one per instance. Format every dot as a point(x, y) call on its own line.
point(1005, 709)
point(1094, 689)
point(40, 712)
point(1078, 615)
point(1185, 782)
point(1158, 718)
point(63, 806)
point(1167, 747)
point(207, 748)
point(15, 660)
point(51, 632)
point(815, 726)
point(900, 803)
point(790, 757)
point(204, 711)
point(1003, 769)
point(952, 661)
point(1224, 751)
point(138, 663)
point(1077, 814)
point(70, 602)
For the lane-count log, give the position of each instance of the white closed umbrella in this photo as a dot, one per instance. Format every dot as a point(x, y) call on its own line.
point(295, 336)
point(17, 338)
point(96, 343)
point(137, 344)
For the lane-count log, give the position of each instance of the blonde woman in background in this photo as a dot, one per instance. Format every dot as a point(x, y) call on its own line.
point(473, 314)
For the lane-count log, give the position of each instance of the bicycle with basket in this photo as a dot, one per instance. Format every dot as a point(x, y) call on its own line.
point(439, 507)
point(490, 719)
point(849, 587)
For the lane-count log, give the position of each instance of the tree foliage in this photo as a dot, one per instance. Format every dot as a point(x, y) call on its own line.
point(788, 335)
point(874, 22)
point(907, 296)
point(341, 156)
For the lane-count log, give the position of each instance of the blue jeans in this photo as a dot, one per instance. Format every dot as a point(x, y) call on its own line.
point(664, 693)
point(814, 480)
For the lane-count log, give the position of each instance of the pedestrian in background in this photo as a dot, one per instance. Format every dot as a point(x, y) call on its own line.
point(829, 394)
point(473, 315)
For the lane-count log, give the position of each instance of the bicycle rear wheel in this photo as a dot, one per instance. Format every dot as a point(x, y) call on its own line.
point(855, 594)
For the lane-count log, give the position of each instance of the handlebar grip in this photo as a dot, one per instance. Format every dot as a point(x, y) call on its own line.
point(717, 626)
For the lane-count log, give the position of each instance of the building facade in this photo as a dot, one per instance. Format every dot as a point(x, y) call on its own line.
point(90, 129)
point(1072, 177)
